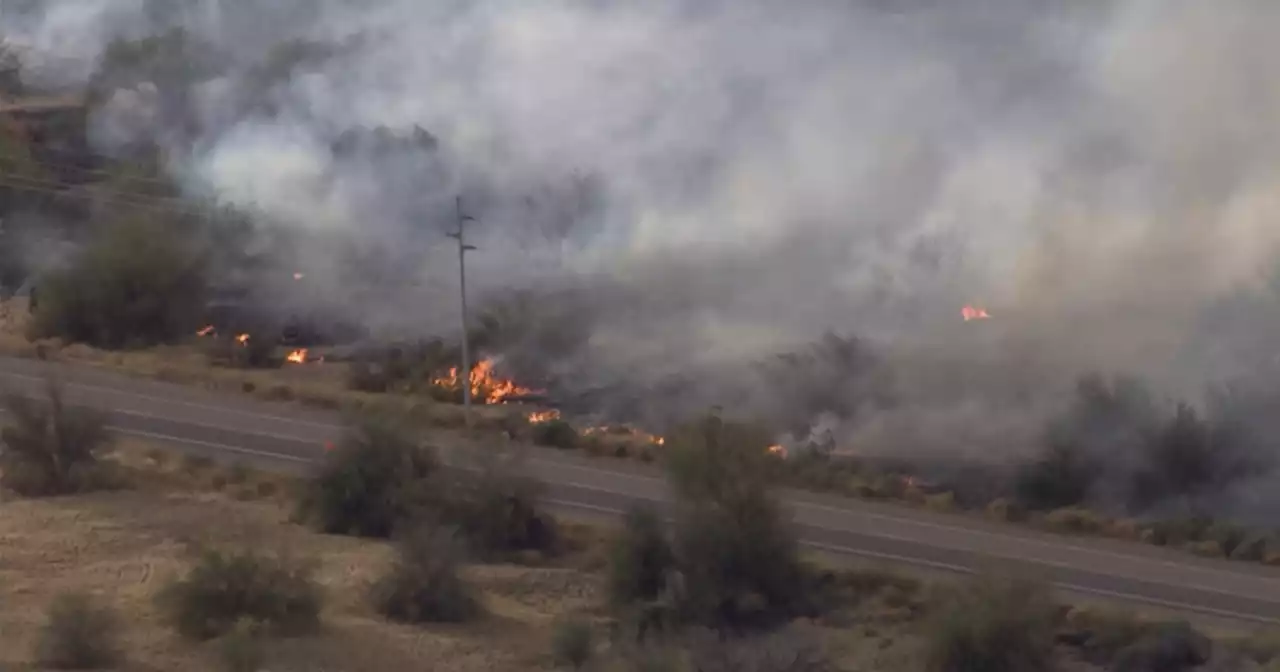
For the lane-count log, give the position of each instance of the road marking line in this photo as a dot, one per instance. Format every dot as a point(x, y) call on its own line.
point(652, 481)
point(959, 569)
point(189, 404)
point(1007, 538)
point(214, 446)
point(992, 555)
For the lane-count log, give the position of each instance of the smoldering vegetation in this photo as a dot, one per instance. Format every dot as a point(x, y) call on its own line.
point(777, 210)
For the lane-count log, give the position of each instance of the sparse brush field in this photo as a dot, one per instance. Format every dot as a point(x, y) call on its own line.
point(122, 547)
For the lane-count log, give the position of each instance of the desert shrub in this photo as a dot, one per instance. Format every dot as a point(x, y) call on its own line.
point(1165, 647)
point(571, 642)
point(194, 464)
point(735, 548)
point(1074, 520)
point(1100, 633)
point(138, 283)
point(242, 649)
point(496, 508)
point(1061, 478)
point(374, 480)
point(401, 367)
point(1186, 458)
point(224, 588)
point(1104, 422)
point(423, 585)
point(989, 625)
point(79, 634)
point(51, 448)
point(640, 558)
point(741, 567)
point(555, 433)
point(366, 376)
point(790, 650)
point(258, 351)
point(1179, 531)
point(720, 462)
point(238, 473)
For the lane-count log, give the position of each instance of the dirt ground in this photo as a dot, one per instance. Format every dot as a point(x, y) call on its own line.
point(123, 546)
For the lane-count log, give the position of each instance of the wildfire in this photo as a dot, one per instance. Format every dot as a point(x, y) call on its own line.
point(778, 450)
point(485, 386)
point(971, 313)
point(206, 331)
point(544, 416)
point(242, 339)
point(297, 357)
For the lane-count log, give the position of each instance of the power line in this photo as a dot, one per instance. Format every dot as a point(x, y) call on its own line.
point(463, 248)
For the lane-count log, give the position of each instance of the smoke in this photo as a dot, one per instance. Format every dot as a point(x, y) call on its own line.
point(698, 186)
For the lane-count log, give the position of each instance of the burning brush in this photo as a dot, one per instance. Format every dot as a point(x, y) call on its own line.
point(486, 387)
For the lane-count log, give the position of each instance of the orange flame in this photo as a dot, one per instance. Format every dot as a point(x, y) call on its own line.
point(242, 339)
point(206, 331)
point(778, 450)
point(971, 313)
point(297, 357)
point(544, 416)
point(485, 386)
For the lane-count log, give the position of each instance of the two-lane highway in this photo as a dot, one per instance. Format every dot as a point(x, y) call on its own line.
point(285, 437)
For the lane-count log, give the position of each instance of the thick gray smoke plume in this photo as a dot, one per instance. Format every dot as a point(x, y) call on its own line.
point(704, 183)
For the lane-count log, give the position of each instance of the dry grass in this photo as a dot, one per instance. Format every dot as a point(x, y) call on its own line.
point(124, 546)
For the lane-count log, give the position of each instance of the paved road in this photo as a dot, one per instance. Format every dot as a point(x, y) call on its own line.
point(285, 437)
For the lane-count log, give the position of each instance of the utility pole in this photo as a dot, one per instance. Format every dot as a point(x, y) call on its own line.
point(463, 248)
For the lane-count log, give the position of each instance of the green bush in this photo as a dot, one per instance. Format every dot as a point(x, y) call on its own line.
point(242, 649)
point(736, 550)
point(79, 634)
point(1165, 647)
point(51, 448)
point(571, 643)
point(990, 625)
point(555, 433)
point(138, 283)
point(376, 479)
point(222, 589)
point(496, 508)
point(423, 585)
point(640, 559)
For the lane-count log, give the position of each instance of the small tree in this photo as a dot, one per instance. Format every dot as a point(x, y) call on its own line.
point(51, 448)
point(223, 589)
point(1187, 458)
point(423, 585)
point(738, 554)
point(990, 625)
point(140, 282)
point(640, 558)
point(377, 478)
point(80, 634)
